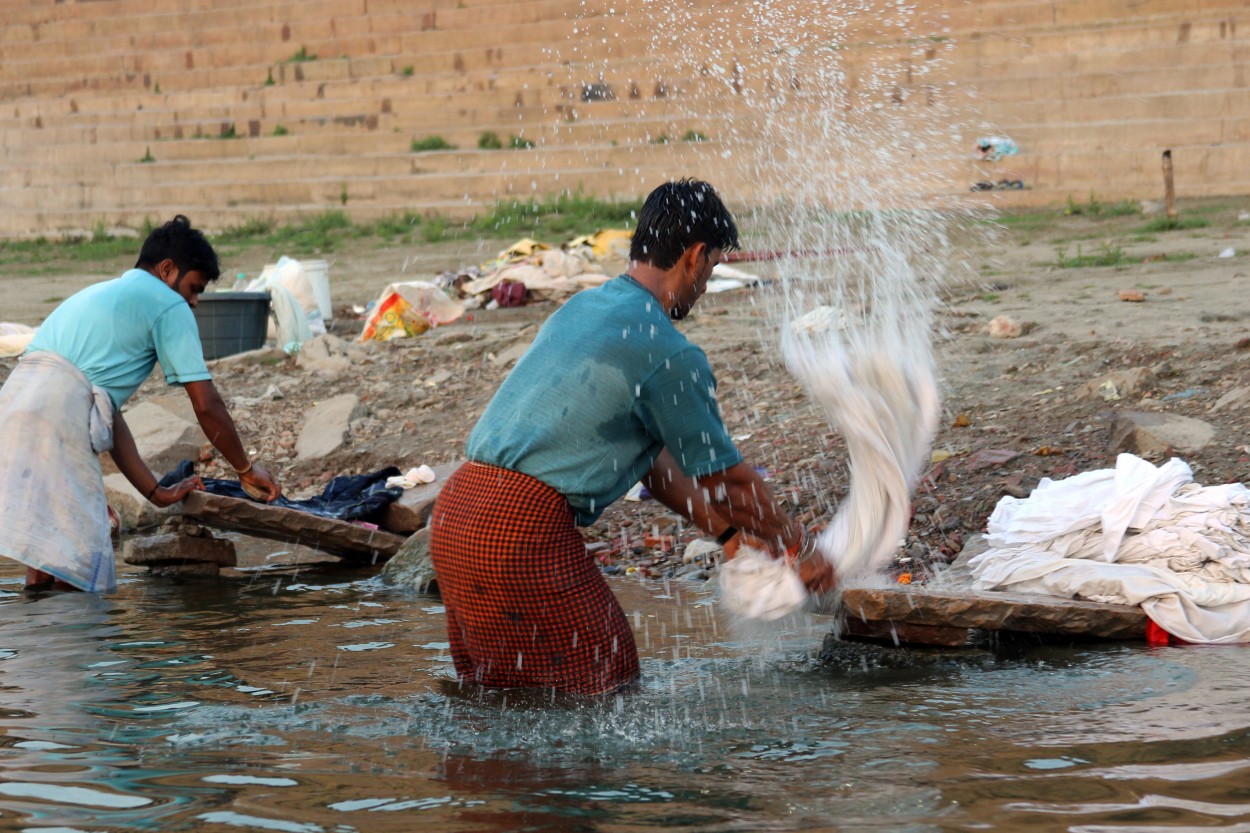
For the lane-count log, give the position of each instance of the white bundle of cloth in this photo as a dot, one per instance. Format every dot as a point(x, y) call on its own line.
point(1138, 534)
point(878, 388)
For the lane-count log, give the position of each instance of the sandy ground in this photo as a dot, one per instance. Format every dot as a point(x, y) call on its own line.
point(1021, 395)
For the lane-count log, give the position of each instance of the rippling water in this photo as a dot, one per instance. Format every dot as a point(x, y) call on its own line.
point(312, 703)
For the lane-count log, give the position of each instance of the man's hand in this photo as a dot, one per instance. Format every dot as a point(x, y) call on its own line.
point(169, 495)
point(817, 574)
point(260, 484)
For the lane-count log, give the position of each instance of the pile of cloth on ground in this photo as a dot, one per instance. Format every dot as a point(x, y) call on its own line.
point(1137, 534)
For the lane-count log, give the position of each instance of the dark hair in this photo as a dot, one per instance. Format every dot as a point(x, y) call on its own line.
point(678, 215)
point(185, 246)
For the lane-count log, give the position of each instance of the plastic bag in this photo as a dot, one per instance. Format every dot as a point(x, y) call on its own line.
point(289, 274)
point(409, 309)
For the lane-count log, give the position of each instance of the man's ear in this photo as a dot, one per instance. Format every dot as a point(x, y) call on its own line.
point(691, 259)
point(166, 269)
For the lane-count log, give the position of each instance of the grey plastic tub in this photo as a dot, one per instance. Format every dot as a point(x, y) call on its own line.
point(232, 322)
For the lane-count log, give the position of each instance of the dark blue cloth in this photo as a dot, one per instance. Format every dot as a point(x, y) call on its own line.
point(353, 497)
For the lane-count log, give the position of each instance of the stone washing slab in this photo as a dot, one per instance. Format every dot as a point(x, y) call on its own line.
point(412, 510)
point(340, 538)
point(990, 610)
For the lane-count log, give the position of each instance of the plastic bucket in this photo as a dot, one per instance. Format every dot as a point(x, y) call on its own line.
point(318, 274)
point(232, 322)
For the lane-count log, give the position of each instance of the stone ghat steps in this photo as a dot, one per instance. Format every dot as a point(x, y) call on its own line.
point(1200, 171)
point(1125, 120)
point(348, 168)
point(1225, 64)
point(182, 66)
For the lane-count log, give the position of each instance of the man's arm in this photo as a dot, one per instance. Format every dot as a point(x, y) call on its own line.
point(211, 411)
point(736, 497)
point(126, 455)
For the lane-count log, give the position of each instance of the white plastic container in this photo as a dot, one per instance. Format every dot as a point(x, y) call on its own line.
point(318, 273)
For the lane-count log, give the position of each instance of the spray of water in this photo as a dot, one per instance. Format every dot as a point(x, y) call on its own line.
point(833, 127)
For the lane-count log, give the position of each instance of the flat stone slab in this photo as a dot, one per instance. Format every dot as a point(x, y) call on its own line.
point(947, 611)
point(175, 548)
point(339, 538)
point(990, 610)
point(412, 510)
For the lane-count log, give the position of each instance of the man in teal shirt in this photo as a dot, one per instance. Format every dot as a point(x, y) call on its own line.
point(610, 393)
point(61, 407)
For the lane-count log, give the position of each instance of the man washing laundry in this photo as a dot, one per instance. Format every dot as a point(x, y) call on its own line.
point(61, 407)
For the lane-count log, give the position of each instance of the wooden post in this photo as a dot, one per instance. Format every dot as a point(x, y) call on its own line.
point(1169, 190)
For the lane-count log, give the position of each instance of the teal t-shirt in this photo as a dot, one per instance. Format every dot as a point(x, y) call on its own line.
point(607, 384)
point(116, 331)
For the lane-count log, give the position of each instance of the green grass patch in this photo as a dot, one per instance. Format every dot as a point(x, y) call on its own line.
point(279, 130)
point(408, 71)
point(693, 136)
point(55, 299)
point(1159, 224)
point(1107, 255)
point(662, 139)
point(1097, 208)
point(489, 140)
point(147, 157)
point(520, 143)
point(301, 56)
point(553, 219)
point(430, 143)
point(1031, 221)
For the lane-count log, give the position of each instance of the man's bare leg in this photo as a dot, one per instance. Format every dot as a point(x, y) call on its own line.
point(39, 580)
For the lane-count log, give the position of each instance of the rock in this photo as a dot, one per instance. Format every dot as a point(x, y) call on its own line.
point(506, 357)
point(265, 355)
point(178, 404)
point(172, 548)
point(700, 550)
point(1237, 399)
point(1132, 295)
point(1005, 326)
point(987, 458)
point(325, 355)
point(132, 508)
point(1121, 384)
point(412, 510)
point(346, 540)
point(327, 426)
point(1144, 432)
point(411, 567)
point(164, 440)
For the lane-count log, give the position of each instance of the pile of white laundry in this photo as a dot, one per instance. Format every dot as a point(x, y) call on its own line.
point(1137, 534)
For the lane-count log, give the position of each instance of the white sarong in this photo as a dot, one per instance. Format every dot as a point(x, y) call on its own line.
point(54, 424)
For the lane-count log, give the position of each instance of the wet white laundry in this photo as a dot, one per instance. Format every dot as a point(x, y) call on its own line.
point(1138, 534)
point(877, 386)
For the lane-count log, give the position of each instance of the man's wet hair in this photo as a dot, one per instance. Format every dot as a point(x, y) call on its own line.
point(185, 246)
point(678, 215)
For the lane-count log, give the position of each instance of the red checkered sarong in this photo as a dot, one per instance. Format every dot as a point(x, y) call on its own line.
point(526, 605)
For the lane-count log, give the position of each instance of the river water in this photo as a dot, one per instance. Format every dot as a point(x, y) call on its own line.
point(323, 701)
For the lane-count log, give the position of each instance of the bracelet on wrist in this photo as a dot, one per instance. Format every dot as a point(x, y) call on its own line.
point(245, 469)
point(726, 535)
point(152, 491)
